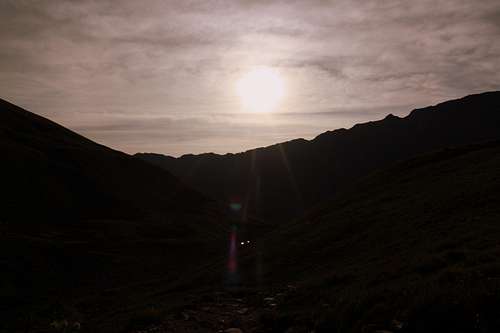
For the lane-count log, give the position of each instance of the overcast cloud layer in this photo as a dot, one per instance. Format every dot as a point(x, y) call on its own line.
point(160, 75)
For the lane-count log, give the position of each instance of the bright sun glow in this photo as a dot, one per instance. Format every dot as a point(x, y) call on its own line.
point(261, 90)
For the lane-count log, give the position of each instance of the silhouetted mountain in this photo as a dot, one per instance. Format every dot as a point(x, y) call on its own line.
point(412, 248)
point(284, 180)
point(55, 172)
point(92, 235)
point(82, 224)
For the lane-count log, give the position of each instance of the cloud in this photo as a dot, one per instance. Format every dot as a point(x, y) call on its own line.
point(101, 62)
point(148, 134)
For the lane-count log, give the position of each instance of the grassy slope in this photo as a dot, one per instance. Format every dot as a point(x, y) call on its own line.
point(424, 232)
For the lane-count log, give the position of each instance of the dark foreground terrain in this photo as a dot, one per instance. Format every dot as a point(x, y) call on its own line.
point(412, 248)
point(88, 232)
point(94, 240)
point(417, 243)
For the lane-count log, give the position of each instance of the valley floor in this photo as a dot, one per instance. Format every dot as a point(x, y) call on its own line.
point(225, 311)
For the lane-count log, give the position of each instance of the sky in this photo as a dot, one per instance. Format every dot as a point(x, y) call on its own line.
point(161, 76)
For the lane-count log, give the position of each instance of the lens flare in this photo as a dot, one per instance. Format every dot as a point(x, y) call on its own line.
point(232, 265)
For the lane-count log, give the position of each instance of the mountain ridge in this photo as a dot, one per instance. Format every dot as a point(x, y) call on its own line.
point(337, 130)
point(267, 181)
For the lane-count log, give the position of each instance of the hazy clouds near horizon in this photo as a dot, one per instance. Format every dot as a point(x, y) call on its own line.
point(160, 75)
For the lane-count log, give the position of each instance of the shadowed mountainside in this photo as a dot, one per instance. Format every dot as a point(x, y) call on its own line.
point(59, 172)
point(282, 181)
point(80, 221)
point(416, 244)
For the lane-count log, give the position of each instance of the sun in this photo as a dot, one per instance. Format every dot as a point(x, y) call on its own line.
point(261, 89)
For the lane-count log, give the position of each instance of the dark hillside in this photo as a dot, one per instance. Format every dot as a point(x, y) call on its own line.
point(80, 221)
point(417, 243)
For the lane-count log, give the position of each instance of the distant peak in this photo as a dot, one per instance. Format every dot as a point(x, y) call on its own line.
point(391, 116)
